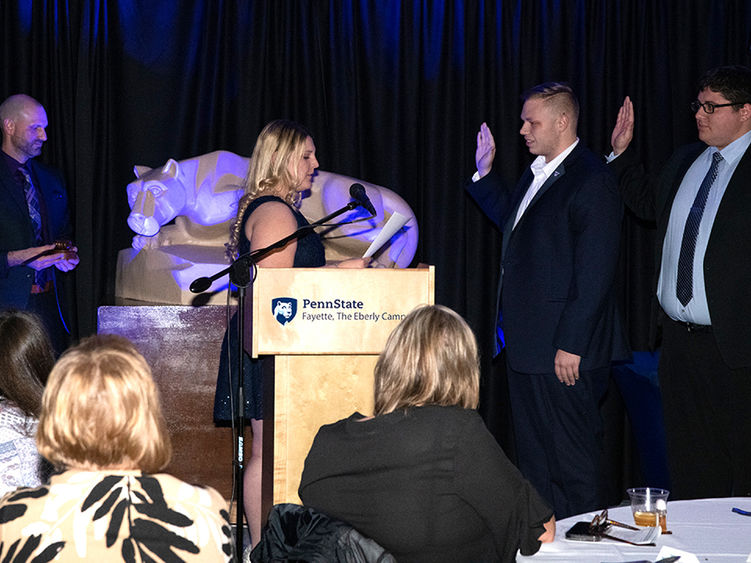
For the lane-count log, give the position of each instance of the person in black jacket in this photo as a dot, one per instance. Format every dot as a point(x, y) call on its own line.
point(423, 477)
point(557, 307)
point(34, 214)
point(701, 201)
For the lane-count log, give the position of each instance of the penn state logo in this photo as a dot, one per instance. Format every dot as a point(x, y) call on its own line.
point(284, 309)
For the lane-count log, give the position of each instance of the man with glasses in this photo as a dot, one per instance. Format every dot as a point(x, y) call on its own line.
point(701, 202)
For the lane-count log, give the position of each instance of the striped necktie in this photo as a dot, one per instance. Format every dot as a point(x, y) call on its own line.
point(684, 287)
point(32, 201)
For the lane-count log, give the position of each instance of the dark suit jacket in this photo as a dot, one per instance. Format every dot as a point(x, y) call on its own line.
point(559, 263)
point(727, 262)
point(17, 232)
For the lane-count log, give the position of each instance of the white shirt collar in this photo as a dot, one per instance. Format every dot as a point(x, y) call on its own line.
point(735, 150)
point(547, 168)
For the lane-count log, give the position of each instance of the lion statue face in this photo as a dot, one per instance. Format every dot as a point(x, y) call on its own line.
point(155, 198)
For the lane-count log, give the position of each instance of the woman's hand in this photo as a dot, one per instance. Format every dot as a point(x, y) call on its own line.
point(353, 263)
point(549, 534)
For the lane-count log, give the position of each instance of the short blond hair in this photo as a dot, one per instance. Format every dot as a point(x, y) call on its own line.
point(429, 359)
point(559, 97)
point(101, 409)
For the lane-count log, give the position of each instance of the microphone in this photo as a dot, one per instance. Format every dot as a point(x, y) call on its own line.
point(357, 192)
point(200, 285)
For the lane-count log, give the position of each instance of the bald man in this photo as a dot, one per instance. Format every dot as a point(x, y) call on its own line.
point(34, 214)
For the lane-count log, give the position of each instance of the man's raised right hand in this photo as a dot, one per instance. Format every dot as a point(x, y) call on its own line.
point(485, 150)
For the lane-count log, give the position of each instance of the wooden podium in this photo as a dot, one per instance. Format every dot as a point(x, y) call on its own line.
point(324, 328)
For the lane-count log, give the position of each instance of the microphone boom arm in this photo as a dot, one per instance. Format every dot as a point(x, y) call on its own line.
point(239, 270)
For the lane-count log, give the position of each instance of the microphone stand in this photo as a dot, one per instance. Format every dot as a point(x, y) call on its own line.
point(239, 275)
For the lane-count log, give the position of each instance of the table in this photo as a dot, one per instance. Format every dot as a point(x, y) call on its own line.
point(705, 527)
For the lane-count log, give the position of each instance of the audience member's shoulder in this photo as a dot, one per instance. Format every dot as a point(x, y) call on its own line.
point(340, 425)
point(589, 158)
point(13, 419)
point(40, 167)
point(22, 495)
point(690, 148)
point(177, 489)
point(448, 415)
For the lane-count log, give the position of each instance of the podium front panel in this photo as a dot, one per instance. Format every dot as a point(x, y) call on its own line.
point(310, 391)
point(324, 328)
point(313, 311)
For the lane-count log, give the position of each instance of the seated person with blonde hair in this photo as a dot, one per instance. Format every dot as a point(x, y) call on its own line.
point(101, 421)
point(423, 477)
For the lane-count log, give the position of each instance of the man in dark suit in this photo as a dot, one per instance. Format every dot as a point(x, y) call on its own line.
point(561, 229)
point(34, 214)
point(701, 201)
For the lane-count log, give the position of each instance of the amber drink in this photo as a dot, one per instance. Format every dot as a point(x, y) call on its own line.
point(649, 506)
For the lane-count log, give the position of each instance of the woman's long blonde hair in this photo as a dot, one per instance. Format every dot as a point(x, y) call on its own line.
point(429, 359)
point(279, 142)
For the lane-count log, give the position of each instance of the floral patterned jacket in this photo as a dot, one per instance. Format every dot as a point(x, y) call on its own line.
point(112, 516)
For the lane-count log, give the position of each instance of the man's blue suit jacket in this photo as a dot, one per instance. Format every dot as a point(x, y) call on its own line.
point(17, 232)
point(558, 264)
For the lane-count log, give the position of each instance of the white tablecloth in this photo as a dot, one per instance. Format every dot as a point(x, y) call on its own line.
point(705, 527)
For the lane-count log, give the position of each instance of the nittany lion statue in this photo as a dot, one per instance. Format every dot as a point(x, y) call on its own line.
point(181, 213)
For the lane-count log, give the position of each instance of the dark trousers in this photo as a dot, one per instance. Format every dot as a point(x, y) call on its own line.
point(707, 410)
point(558, 435)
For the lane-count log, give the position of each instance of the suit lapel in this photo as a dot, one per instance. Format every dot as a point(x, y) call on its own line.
point(526, 180)
point(521, 189)
point(738, 181)
point(554, 177)
point(681, 170)
point(13, 194)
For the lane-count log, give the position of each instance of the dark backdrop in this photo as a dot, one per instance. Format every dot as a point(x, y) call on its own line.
point(393, 91)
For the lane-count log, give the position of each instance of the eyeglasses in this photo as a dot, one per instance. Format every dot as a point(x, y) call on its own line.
point(600, 523)
point(709, 107)
point(600, 526)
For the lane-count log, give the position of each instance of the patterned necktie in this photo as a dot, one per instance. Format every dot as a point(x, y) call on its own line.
point(32, 201)
point(684, 287)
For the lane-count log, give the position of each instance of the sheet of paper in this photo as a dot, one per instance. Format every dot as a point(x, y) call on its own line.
point(642, 536)
point(395, 222)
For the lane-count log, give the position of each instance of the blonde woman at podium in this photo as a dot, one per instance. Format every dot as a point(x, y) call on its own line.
point(423, 477)
point(281, 168)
